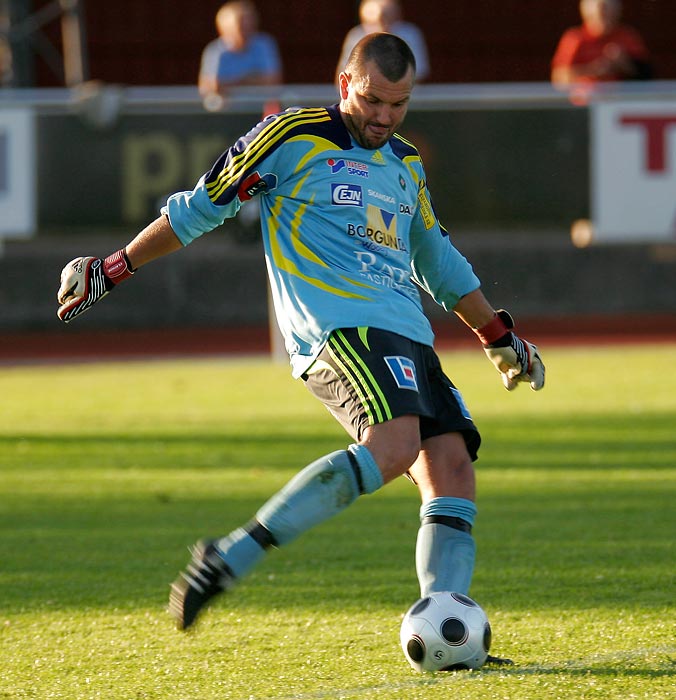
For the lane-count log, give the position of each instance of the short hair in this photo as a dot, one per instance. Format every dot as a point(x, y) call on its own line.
point(391, 54)
point(235, 8)
point(614, 4)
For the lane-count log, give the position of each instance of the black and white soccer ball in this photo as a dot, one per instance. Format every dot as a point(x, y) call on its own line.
point(445, 631)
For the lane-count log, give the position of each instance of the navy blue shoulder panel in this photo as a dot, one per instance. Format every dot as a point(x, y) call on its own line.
point(402, 148)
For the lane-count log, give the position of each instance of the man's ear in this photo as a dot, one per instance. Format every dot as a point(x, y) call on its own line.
point(343, 83)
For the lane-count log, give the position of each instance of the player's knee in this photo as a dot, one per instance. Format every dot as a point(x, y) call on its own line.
point(395, 445)
point(407, 455)
point(397, 457)
point(445, 468)
point(460, 465)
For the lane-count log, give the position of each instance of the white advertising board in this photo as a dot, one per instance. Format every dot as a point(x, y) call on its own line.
point(17, 172)
point(633, 171)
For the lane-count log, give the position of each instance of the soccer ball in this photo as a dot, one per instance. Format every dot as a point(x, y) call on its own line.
point(445, 631)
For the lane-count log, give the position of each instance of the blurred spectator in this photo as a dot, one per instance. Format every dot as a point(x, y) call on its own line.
point(386, 16)
point(5, 48)
point(241, 55)
point(5, 64)
point(601, 49)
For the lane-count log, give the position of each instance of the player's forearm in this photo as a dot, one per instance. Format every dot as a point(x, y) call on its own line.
point(474, 309)
point(156, 240)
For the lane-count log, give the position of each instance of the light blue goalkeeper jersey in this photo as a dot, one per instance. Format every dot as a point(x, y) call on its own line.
point(347, 231)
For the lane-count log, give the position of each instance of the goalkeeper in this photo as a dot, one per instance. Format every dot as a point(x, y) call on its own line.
point(349, 233)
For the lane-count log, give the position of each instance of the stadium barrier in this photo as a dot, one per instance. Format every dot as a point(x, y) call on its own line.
point(510, 165)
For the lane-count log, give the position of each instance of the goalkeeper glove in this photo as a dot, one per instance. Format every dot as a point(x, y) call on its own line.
point(85, 280)
point(517, 360)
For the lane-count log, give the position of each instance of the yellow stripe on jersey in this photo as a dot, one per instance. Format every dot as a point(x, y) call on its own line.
point(267, 138)
point(284, 264)
point(319, 144)
point(298, 245)
point(266, 135)
point(410, 161)
point(399, 137)
point(303, 249)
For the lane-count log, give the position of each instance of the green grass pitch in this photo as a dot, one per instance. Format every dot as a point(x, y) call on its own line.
point(108, 472)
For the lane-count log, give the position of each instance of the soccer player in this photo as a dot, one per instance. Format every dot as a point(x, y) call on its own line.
point(349, 230)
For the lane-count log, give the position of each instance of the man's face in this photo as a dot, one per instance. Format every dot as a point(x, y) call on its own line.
point(600, 16)
point(372, 107)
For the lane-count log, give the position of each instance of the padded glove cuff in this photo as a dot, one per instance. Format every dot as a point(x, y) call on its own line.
point(117, 268)
point(496, 333)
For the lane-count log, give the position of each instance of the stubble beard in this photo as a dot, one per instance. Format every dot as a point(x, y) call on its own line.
point(360, 135)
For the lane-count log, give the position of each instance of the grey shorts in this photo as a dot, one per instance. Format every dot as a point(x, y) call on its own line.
point(365, 376)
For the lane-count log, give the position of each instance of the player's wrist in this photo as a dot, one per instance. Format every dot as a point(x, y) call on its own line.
point(117, 267)
point(497, 332)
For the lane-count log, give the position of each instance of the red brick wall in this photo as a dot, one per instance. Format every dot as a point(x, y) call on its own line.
point(158, 42)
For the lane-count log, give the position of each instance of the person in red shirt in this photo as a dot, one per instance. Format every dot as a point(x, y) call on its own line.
point(601, 49)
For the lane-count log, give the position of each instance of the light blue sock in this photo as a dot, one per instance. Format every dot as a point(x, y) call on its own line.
point(321, 490)
point(445, 549)
point(240, 551)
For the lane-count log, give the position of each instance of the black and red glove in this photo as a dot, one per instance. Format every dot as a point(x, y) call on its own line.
point(517, 360)
point(85, 280)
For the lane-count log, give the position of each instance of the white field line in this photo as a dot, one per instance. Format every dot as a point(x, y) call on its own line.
point(575, 666)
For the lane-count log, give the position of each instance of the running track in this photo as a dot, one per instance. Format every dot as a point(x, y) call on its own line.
point(70, 344)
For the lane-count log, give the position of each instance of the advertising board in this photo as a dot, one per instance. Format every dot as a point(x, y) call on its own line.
point(633, 171)
point(17, 172)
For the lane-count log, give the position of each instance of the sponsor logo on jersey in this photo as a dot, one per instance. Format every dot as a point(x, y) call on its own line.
point(405, 209)
point(383, 197)
point(425, 206)
point(346, 195)
point(403, 371)
point(255, 183)
point(380, 229)
point(377, 157)
point(376, 269)
point(354, 167)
